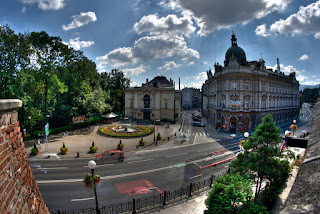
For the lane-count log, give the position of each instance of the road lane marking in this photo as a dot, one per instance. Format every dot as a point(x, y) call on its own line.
point(195, 176)
point(175, 147)
point(140, 161)
point(40, 168)
point(105, 177)
point(82, 199)
point(109, 164)
point(176, 155)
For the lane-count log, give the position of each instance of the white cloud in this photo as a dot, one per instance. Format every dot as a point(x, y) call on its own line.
point(213, 15)
point(80, 20)
point(24, 10)
point(303, 80)
point(135, 71)
point(46, 4)
point(262, 30)
point(306, 20)
point(149, 48)
point(77, 44)
point(304, 57)
point(199, 80)
point(169, 66)
point(171, 24)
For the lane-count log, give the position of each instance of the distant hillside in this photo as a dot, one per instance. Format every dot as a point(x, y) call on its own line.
point(302, 87)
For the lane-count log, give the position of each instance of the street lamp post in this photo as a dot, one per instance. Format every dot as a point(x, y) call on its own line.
point(154, 131)
point(92, 164)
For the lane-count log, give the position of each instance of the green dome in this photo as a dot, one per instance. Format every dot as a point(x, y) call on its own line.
point(236, 51)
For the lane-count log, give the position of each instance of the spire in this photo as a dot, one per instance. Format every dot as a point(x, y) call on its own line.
point(233, 40)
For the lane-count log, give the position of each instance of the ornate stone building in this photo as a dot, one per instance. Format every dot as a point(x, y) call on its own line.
point(156, 99)
point(241, 93)
point(191, 98)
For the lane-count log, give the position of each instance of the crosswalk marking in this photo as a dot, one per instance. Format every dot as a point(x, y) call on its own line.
point(200, 134)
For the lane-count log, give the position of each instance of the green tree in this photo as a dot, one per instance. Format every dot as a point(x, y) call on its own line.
point(115, 83)
point(228, 193)
point(260, 161)
point(14, 57)
point(310, 95)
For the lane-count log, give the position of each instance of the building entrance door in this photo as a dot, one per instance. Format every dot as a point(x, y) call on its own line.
point(246, 124)
point(146, 115)
point(233, 124)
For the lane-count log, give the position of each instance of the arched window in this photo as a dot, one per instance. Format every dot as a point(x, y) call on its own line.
point(146, 101)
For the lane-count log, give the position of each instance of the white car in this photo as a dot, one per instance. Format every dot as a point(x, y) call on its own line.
point(232, 136)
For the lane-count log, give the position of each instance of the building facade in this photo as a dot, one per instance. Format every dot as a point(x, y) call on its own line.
point(154, 100)
point(191, 98)
point(240, 93)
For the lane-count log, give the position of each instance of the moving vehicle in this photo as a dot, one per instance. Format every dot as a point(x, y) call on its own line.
point(110, 156)
point(138, 187)
point(198, 124)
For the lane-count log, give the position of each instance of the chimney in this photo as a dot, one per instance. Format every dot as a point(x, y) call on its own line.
point(278, 65)
point(179, 83)
point(147, 80)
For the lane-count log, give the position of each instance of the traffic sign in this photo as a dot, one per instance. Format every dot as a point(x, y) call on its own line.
point(46, 129)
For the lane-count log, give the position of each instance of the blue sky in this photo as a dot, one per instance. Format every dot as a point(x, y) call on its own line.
point(177, 38)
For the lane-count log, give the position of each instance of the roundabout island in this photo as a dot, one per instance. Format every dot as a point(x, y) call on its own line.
point(126, 131)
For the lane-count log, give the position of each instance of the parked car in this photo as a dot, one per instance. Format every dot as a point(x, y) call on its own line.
point(110, 156)
point(198, 124)
point(232, 136)
point(195, 118)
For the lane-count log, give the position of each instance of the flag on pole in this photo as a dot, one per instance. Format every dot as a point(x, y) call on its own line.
point(284, 145)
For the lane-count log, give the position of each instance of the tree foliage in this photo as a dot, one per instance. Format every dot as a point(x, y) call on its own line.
point(53, 79)
point(228, 193)
point(310, 95)
point(265, 168)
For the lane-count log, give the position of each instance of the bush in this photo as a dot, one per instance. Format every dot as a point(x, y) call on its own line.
point(34, 150)
point(142, 142)
point(159, 136)
point(93, 148)
point(63, 149)
point(120, 146)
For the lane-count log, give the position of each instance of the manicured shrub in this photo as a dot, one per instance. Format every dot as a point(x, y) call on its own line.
point(159, 136)
point(120, 146)
point(63, 149)
point(142, 142)
point(93, 148)
point(34, 150)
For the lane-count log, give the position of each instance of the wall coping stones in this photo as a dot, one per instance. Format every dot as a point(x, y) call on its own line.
point(9, 104)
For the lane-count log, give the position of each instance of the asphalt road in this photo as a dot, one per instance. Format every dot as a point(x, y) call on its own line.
point(61, 185)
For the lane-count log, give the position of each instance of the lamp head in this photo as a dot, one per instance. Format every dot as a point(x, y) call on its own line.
point(92, 164)
point(246, 134)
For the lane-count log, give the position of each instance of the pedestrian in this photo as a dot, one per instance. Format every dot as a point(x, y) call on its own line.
point(39, 143)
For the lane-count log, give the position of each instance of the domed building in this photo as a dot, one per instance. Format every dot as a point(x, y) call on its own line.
point(240, 93)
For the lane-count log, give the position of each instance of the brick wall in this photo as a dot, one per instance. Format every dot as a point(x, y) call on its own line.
point(19, 192)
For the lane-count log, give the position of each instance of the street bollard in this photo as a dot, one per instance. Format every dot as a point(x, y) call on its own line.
point(164, 198)
point(134, 206)
point(190, 190)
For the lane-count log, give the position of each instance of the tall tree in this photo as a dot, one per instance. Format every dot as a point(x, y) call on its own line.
point(14, 57)
point(261, 157)
point(116, 83)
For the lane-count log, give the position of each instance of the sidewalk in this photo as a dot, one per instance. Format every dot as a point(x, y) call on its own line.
point(193, 205)
point(80, 141)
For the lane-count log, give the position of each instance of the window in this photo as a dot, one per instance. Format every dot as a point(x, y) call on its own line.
point(234, 86)
point(146, 101)
point(247, 86)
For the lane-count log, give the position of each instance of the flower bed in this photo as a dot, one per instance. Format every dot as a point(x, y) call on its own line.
point(141, 131)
